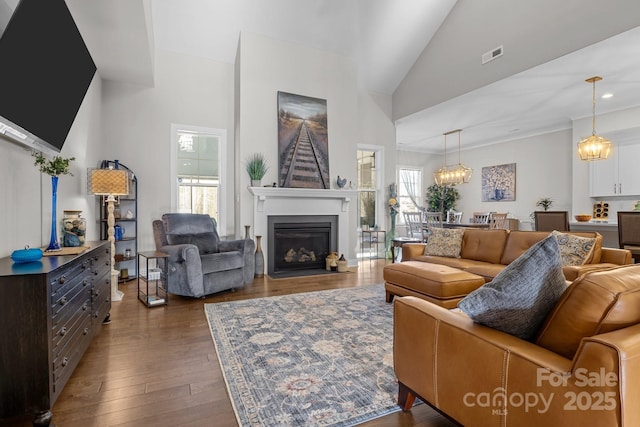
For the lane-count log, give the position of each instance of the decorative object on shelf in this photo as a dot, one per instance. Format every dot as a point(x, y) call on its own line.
point(110, 183)
point(54, 168)
point(594, 147)
point(118, 232)
point(458, 174)
point(74, 228)
point(636, 207)
point(499, 183)
point(583, 217)
point(259, 258)
point(341, 182)
point(26, 255)
point(256, 168)
point(129, 214)
point(127, 253)
point(247, 236)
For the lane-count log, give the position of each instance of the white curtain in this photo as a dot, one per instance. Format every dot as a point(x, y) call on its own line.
point(406, 179)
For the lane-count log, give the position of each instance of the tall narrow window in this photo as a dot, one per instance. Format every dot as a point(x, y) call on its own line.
point(199, 171)
point(409, 190)
point(367, 187)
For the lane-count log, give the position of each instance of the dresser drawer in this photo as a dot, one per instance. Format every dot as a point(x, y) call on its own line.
point(63, 332)
point(69, 356)
point(68, 273)
point(71, 299)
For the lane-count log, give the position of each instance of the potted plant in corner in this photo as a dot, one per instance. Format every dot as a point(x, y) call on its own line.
point(54, 168)
point(256, 168)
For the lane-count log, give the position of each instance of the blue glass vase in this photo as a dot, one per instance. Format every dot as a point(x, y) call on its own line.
point(53, 243)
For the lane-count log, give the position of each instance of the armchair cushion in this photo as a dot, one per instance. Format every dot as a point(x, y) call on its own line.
point(221, 261)
point(207, 243)
point(520, 297)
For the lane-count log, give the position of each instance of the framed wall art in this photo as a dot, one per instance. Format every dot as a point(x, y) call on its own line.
point(499, 183)
point(303, 145)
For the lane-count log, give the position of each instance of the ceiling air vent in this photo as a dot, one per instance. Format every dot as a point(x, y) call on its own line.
point(492, 54)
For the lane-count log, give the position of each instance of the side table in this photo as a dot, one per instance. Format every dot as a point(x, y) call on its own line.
point(153, 278)
point(375, 237)
point(397, 242)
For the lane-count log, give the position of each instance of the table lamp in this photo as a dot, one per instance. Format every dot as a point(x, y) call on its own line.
point(110, 183)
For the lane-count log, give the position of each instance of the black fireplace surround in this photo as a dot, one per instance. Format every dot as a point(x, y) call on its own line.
point(299, 244)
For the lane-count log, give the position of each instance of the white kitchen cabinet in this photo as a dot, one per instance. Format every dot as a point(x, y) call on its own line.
point(619, 175)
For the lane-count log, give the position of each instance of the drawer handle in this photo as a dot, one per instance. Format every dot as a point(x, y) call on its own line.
point(62, 279)
point(85, 282)
point(86, 331)
point(63, 300)
point(63, 331)
point(107, 299)
point(84, 306)
point(96, 292)
point(65, 361)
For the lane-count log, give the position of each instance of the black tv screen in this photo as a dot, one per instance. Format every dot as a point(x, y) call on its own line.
point(45, 70)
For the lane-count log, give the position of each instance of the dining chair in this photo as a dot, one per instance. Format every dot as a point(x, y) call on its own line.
point(415, 229)
point(629, 233)
point(551, 220)
point(454, 217)
point(431, 220)
point(481, 217)
point(498, 221)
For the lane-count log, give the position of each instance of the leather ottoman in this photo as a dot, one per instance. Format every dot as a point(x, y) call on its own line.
point(438, 284)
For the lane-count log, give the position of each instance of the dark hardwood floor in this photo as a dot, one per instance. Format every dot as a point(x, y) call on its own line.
point(158, 366)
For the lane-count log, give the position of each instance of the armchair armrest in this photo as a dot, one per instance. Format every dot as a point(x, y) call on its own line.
point(412, 250)
point(615, 256)
point(247, 247)
point(185, 267)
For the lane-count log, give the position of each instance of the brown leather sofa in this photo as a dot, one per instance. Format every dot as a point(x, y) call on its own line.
point(581, 370)
point(484, 253)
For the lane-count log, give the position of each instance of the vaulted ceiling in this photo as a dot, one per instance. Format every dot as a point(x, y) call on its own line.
point(536, 87)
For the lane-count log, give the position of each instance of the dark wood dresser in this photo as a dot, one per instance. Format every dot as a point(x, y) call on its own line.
point(50, 310)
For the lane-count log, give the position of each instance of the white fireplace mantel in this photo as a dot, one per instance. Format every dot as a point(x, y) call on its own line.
point(268, 201)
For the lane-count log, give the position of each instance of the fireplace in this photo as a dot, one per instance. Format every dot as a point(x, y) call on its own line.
point(299, 244)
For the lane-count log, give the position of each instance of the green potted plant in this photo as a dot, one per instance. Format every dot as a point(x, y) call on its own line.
point(54, 168)
point(256, 168)
point(545, 203)
point(441, 198)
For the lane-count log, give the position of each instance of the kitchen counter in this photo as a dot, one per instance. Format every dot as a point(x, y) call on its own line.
point(608, 229)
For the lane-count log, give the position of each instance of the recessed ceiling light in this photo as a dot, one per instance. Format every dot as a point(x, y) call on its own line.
point(606, 95)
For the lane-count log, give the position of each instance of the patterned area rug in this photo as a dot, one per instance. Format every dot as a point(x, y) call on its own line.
point(317, 358)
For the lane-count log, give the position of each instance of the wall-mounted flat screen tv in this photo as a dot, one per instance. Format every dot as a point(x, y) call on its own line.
point(45, 72)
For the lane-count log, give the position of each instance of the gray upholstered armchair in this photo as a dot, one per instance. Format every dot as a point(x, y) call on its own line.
point(199, 262)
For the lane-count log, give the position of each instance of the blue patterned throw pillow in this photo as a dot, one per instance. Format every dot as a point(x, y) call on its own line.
point(520, 297)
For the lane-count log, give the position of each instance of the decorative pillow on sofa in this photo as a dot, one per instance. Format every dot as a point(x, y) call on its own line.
point(207, 243)
point(520, 297)
point(574, 250)
point(445, 242)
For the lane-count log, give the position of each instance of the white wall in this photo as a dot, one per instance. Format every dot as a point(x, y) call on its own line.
point(137, 128)
point(268, 66)
point(25, 216)
point(543, 169)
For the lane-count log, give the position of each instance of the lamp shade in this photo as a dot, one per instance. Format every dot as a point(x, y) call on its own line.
point(108, 182)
